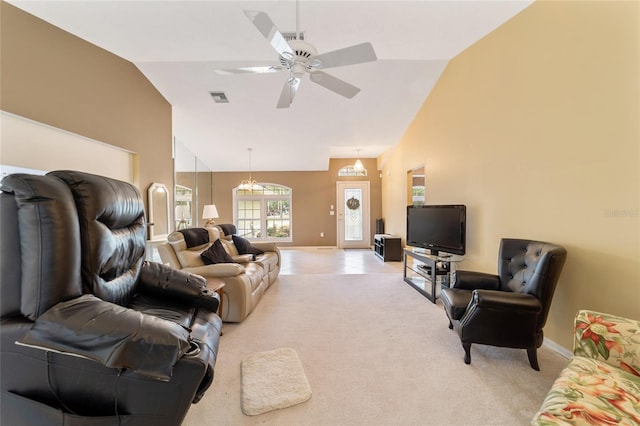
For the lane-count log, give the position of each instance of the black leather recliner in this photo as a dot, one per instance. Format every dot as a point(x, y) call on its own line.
point(91, 333)
point(509, 309)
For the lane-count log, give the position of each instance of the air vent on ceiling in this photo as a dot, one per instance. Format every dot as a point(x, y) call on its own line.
point(219, 97)
point(292, 36)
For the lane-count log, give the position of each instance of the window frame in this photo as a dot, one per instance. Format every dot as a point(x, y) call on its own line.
point(350, 171)
point(264, 199)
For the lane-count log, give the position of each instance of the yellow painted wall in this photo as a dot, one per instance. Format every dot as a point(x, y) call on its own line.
point(536, 128)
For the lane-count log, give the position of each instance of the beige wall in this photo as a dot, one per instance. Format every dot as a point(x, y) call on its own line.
point(536, 129)
point(313, 194)
point(55, 78)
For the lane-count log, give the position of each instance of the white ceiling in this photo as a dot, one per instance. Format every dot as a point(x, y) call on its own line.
point(179, 44)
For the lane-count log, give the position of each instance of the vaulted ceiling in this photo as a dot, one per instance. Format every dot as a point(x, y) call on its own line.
point(178, 45)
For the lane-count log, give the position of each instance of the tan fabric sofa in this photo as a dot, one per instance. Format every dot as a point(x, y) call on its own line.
point(245, 281)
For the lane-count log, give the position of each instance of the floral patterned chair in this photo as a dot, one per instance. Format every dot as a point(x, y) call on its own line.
point(601, 384)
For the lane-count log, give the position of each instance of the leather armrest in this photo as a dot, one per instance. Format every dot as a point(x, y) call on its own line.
point(242, 258)
point(265, 245)
point(470, 280)
point(217, 270)
point(161, 279)
point(164, 281)
point(111, 335)
point(269, 247)
point(504, 300)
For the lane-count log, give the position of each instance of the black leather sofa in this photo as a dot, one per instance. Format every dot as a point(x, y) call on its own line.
point(91, 333)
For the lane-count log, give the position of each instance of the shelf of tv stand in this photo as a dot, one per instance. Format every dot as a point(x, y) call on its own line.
point(419, 267)
point(387, 247)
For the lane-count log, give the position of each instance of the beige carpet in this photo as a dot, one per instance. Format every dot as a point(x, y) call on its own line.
point(273, 380)
point(375, 352)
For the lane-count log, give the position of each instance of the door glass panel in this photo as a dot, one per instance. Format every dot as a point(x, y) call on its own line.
point(353, 214)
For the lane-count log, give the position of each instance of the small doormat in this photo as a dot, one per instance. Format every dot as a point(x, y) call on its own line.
point(273, 380)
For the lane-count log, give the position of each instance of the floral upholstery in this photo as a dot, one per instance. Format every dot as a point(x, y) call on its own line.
point(601, 384)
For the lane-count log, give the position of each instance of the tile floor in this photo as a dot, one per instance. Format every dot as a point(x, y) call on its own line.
point(330, 260)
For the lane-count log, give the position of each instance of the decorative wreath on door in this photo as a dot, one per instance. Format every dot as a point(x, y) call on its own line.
point(353, 203)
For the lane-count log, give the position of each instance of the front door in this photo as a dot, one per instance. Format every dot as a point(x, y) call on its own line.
point(353, 215)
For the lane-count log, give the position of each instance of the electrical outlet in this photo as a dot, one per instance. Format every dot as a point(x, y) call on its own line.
point(322, 235)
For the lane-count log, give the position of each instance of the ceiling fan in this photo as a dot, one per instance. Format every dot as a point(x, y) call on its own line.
point(299, 58)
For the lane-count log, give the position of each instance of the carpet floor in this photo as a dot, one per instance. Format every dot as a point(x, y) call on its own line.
point(375, 352)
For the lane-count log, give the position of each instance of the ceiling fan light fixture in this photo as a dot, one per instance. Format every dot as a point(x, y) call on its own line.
point(288, 57)
point(298, 70)
point(314, 63)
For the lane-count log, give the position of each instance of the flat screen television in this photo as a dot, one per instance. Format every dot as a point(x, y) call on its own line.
point(438, 228)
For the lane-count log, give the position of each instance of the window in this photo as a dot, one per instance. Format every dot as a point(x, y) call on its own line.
point(264, 213)
point(351, 171)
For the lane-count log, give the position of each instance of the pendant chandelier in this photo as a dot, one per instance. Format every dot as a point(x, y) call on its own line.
point(249, 184)
point(358, 166)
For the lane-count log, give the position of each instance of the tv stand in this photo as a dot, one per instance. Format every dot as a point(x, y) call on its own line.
point(387, 247)
point(424, 271)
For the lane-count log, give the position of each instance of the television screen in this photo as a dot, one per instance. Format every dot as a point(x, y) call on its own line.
point(437, 228)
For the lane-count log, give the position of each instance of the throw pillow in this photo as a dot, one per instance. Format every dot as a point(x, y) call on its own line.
point(216, 254)
point(227, 228)
point(244, 247)
point(195, 237)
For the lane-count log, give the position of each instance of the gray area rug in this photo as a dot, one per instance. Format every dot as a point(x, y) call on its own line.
point(273, 380)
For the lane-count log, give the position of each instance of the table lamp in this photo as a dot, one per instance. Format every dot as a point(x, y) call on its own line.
point(209, 213)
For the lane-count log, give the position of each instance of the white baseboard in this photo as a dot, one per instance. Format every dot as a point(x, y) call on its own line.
point(557, 348)
point(307, 247)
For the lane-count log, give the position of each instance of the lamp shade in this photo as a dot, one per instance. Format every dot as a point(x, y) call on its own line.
point(210, 212)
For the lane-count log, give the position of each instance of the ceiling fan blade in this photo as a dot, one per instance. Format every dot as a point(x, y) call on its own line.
point(250, 70)
point(268, 29)
point(288, 92)
point(334, 84)
point(348, 56)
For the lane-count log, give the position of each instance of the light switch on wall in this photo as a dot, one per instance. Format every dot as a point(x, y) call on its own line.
point(331, 212)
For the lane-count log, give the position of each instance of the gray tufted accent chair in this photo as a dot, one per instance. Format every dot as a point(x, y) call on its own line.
point(509, 309)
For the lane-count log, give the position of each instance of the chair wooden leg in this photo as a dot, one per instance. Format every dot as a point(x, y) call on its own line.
point(532, 353)
point(467, 353)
